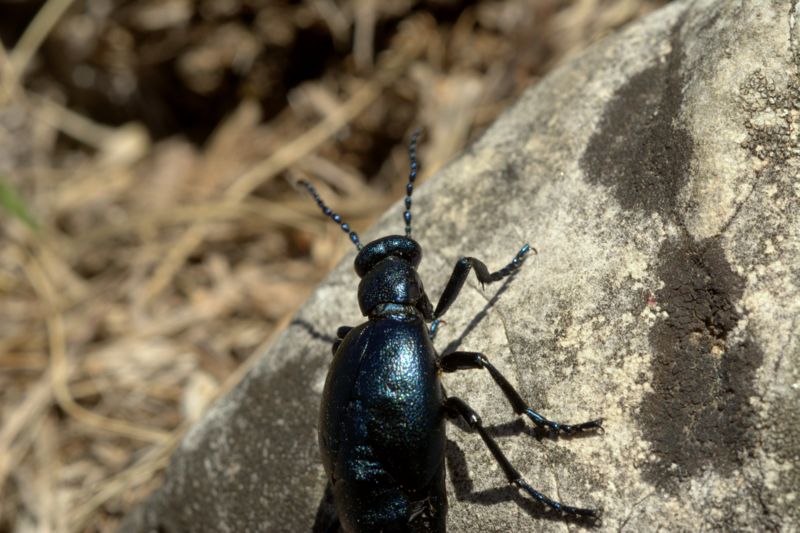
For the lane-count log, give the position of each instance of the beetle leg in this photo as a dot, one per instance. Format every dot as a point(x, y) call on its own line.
point(334, 527)
point(461, 271)
point(457, 407)
point(471, 360)
point(434, 328)
point(340, 335)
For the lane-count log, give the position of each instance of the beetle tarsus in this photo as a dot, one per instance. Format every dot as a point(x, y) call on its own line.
point(593, 514)
point(560, 428)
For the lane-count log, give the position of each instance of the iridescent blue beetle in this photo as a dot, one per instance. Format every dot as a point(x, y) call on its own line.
point(382, 418)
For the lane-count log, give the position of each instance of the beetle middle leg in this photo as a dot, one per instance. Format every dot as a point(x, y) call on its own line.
point(462, 270)
point(473, 360)
point(457, 407)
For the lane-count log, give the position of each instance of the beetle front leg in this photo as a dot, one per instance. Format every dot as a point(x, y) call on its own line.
point(461, 271)
point(473, 360)
point(341, 333)
point(457, 407)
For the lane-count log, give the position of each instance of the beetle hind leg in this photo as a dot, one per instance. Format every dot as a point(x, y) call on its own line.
point(456, 407)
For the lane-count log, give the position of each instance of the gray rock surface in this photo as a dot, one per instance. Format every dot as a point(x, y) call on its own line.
point(657, 175)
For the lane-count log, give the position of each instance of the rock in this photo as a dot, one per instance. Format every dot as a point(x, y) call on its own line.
point(657, 175)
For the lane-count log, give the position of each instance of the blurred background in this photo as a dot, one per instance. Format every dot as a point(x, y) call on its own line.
point(152, 242)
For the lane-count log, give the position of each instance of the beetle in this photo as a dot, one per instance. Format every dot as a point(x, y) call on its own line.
point(383, 410)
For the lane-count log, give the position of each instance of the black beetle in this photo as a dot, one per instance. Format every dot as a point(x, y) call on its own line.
point(381, 425)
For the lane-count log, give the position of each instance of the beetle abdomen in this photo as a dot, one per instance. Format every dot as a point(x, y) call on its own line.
point(369, 499)
point(382, 428)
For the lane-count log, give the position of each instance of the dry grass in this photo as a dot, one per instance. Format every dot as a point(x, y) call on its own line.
point(140, 272)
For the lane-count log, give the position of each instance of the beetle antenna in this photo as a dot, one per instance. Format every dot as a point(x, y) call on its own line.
point(328, 212)
point(412, 175)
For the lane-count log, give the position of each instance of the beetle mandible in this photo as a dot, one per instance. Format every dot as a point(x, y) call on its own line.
point(381, 424)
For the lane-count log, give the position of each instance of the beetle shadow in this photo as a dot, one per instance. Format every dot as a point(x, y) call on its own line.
point(458, 472)
point(312, 330)
point(326, 520)
point(453, 345)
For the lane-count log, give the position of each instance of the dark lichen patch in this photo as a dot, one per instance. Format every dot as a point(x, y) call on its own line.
point(491, 193)
point(640, 149)
point(699, 413)
point(772, 120)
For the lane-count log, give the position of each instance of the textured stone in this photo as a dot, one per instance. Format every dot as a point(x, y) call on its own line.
point(657, 175)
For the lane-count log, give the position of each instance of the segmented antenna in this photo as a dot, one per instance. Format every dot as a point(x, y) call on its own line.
point(327, 211)
point(412, 176)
